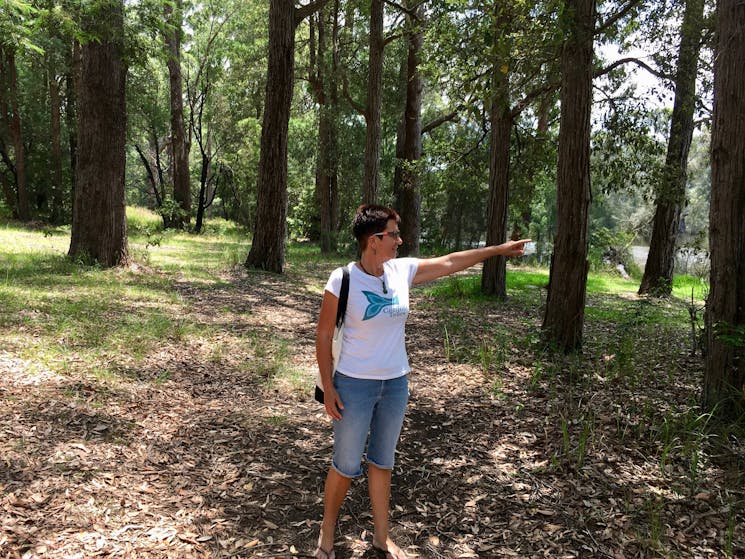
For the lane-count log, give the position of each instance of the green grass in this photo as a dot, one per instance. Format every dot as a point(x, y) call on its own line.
point(69, 318)
point(684, 285)
point(609, 296)
point(60, 305)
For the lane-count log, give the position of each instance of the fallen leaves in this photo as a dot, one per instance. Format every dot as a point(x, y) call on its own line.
point(206, 461)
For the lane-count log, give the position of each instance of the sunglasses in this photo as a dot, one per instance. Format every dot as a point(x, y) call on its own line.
point(392, 234)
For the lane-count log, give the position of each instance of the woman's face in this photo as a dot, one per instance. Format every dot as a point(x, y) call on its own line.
point(386, 243)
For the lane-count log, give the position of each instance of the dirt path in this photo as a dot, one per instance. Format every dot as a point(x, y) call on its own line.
point(193, 454)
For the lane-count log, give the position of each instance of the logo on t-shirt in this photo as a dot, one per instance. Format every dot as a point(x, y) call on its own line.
point(376, 304)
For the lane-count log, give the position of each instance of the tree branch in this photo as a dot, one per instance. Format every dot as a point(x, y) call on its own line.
point(150, 175)
point(553, 86)
point(532, 96)
point(309, 9)
point(440, 120)
point(348, 96)
point(408, 11)
point(614, 18)
point(633, 60)
point(390, 38)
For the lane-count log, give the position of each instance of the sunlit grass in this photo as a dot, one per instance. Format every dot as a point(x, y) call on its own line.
point(55, 312)
point(63, 317)
point(53, 308)
point(684, 285)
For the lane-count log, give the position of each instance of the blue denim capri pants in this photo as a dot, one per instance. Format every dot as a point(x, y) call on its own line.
point(374, 407)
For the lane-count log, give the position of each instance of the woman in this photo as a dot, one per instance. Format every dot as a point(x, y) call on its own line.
point(368, 393)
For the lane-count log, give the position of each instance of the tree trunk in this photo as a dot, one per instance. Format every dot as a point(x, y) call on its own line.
point(411, 198)
point(150, 174)
point(8, 192)
point(99, 227)
point(268, 245)
point(72, 84)
point(16, 132)
point(521, 228)
point(203, 178)
point(658, 272)
point(325, 85)
point(270, 229)
point(57, 210)
point(494, 273)
point(179, 143)
point(565, 306)
point(724, 377)
point(374, 102)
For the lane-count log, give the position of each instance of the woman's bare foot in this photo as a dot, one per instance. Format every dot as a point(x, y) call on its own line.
point(325, 549)
point(389, 550)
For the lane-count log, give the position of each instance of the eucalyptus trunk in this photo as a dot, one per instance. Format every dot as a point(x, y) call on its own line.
point(72, 84)
point(658, 272)
point(8, 192)
point(179, 141)
point(57, 209)
point(565, 306)
point(270, 227)
point(494, 273)
point(410, 195)
point(268, 245)
point(724, 377)
point(99, 226)
point(16, 132)
point(374, 104)
point(325, 85)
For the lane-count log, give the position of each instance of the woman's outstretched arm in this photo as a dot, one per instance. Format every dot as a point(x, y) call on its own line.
point(432, 268)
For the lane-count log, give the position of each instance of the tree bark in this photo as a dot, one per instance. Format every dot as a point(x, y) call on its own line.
point(724, 377)
point(72, 84)
point(99, 227)
point(57, 209)
point(565, 306)
point(16, 132)
point(494, 273)
point(411, 198)
point(268, 245)
point(325, 85)
point(270, 229)
point(179, 141)
point(8, 192)
point(658, 272)
point(150, 174)
point(203, 186)
point(374, 104)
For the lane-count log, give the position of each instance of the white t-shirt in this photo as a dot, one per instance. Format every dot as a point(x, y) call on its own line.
point(374, 346)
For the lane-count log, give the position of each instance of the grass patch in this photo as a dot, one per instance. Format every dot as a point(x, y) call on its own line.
point(684, 285)
point(60, 314)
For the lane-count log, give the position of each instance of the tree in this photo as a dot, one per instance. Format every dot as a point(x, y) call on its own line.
point(99, 226)
point(9, 74)
point(268, 245)
point(724, 377)
point(565, 306)
point(658, 273)
point(324, 71)
point(179, 141)
point(374, 104)
point(409, 197)
point(494, 274)
point(55, 44)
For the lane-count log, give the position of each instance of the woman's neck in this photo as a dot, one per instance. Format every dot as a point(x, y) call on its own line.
point(370, 265)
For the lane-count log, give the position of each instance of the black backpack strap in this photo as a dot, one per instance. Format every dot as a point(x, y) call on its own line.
point(341, 309)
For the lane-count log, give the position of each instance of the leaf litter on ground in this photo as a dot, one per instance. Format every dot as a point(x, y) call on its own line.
point(205, 447)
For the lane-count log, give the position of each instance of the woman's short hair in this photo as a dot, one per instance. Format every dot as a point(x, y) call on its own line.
point(371, 219)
